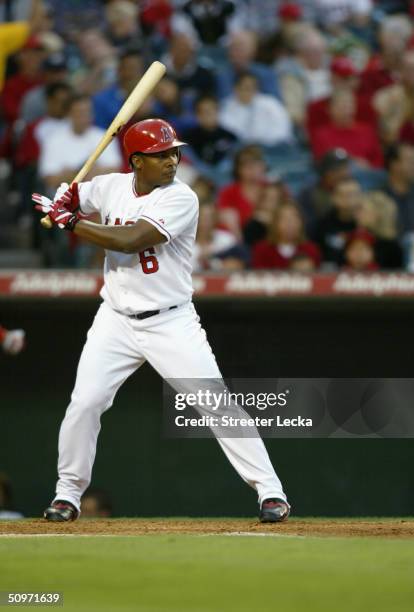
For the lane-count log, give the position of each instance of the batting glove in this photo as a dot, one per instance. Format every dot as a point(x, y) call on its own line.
point(68, 196)
point(13, 341)
point(57, 212)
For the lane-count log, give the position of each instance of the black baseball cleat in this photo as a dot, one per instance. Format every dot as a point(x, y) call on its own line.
point(274, 511)
point(60, 511)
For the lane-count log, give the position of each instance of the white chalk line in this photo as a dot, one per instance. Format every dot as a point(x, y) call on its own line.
point(255, 535)
point(108, 535)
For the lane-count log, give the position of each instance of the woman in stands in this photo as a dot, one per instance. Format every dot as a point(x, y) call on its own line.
point(286, 243)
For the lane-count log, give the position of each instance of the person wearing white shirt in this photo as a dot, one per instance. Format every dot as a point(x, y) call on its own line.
point(148, 231)
point(255, 117)
point(65, 151)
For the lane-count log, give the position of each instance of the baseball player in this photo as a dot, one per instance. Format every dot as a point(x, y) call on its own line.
point(12, 340)
point(150, 221)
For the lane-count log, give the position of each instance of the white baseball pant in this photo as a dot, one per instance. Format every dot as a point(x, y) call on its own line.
point(175, 344)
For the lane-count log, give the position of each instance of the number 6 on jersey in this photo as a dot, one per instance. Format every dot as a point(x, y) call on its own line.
point(149, 261)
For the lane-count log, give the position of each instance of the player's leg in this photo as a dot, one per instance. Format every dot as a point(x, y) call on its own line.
point(110, 355)
point(177, 347)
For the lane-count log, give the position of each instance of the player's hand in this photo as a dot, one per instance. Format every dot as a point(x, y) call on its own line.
point(57, 212)
point(68, 196)
point(14, 341)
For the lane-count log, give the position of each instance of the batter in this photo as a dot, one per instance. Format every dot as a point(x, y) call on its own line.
point(150, 221)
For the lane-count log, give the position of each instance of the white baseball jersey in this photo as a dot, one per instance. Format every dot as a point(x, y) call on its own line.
point(158, 277)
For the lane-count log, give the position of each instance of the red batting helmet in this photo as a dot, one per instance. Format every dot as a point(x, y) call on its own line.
point(150, 136)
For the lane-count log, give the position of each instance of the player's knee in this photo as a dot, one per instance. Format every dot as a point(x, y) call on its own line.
point(92, 399)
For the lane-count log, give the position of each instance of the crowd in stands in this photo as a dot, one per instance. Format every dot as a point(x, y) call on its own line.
point(299, 119)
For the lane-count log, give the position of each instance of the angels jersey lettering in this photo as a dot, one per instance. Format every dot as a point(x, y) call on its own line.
point(158, 277)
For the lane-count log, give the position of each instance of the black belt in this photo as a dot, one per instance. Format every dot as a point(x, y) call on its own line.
point(148, 313)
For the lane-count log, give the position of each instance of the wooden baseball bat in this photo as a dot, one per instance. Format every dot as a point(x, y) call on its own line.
point(137, 96)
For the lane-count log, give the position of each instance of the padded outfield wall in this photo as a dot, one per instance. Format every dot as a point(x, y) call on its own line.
point(251, 337)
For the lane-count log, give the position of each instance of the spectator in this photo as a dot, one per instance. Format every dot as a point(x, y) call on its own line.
point(258, 16)
point(257, 228)
point(305, 77)
point(97, 68)
point(288, 13)
point(35, 138)
point(383, 68)
point(208, 139)
point(96, 503)
point(155, 17)
point(6, 499)
point(395, 104)
point(302, 263)
point(377, 214)
point(14, 33)
point(213, 246)
point(279, 44)
point(71, 144)
point(28, 76)
point(192, 76)
point(332, 230)
point(354, 39)
point(360, 252)
point(40, 131)
point(286, 241)
point(242, 50)
point(349, 27)
point(344, 77)
point(34, 102)
point(210, 19)
point(123, 25)
point(334, 13)
point(399, 184)
point(237, 201)
point(172, 106)
point(205, 190)
point(51, 41)
point(253, 116)
point(316, 200)
point(358, 139)
point(72, 16)
point(108, 102)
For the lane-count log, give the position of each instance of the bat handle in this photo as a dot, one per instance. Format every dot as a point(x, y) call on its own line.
point(46, 222)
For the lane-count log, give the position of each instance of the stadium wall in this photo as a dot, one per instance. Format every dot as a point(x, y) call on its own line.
point(147, 475)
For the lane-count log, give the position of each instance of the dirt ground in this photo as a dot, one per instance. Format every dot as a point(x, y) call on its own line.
point(388, 528)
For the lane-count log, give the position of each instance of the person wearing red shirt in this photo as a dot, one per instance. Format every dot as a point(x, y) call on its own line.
point(344, 76)
point(384, 68)
point(286, 242)
point(359, 140)
point(359, 251)
point(237, 201)
point(29, 75)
